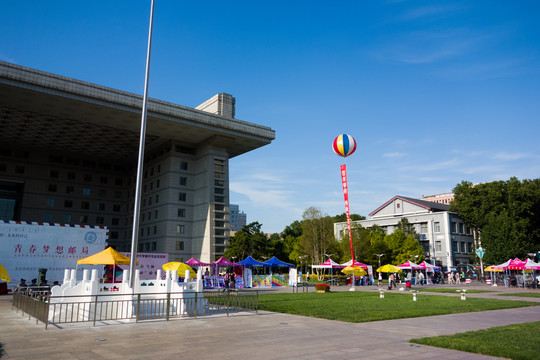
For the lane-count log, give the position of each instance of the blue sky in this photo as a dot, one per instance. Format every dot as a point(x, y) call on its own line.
point(434, 92)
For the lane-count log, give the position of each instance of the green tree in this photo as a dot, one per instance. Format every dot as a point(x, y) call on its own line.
point(317, 236)
point(504, 214)
point(250, 241)
point(362, 248)
point(403, 247)
point(343, 217)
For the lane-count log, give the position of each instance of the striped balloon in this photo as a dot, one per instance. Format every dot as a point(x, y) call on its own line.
point(344, 145)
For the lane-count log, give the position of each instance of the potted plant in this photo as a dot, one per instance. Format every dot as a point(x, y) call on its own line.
point(322, 288)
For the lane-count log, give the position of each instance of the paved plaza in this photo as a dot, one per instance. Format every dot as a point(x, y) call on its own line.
point(247, 335)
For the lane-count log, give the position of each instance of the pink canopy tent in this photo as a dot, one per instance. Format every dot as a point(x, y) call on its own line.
point(223, 261)
point(409, 265)
point(502, 266)
point(356, 263)
point(328, 264)
point(194, 262)
point(516, 264)
point(428, 267)
point(531, 265)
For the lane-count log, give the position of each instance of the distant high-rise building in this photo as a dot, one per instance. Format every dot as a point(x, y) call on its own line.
point(238, 218)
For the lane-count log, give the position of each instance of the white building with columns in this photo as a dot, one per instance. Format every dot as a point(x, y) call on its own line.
point(446, 239)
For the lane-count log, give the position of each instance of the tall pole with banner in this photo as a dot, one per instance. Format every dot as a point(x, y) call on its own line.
point(344, 145)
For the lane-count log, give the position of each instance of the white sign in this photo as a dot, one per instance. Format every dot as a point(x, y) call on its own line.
point(149, 264)
point(27, 247)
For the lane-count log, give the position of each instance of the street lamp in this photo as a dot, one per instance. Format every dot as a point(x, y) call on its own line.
point(329, 256)
point(379, 255)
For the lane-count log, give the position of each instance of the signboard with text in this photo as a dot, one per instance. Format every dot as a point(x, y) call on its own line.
point(26, 247)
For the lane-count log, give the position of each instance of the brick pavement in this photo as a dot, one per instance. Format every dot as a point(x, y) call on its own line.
point(244, 335)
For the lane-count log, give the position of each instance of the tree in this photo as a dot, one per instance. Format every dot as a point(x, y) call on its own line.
point(504, 214)
point(250, 241)
point(317, 234)
point(403, 247)
point(343, 217)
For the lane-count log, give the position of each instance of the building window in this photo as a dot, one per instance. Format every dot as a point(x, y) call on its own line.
point(157, 183)
point(85, 205)
point(48, 217)
point(454, 227)
point(87, 178)
point(83, 219)
point(463, 247)
point(455, 246)
point(70, 189)
point(423, 228)
point(117, 194)
point(119, 181)
point(180, 229)
point(101, 206)
point(102, 193)
point(181, 196)
point(115, 221)
point(51, 202)
point(179, 245)
point(157, 199)
point(52, 187)
point(68, 204)
point(54, 173)
point(103, 180)
point(86, 191)
point(155, 229)
point(219, 191)
point(66, 219)
point(100, 220)
point(19, 169)
point(438, 246)
point(154, 246)
point(461, 228)
point(219, 199)
point(437, 227)
point(470, 247)
point(182, 181)
point(183, 165)
point(116, 208)
point(181, 212)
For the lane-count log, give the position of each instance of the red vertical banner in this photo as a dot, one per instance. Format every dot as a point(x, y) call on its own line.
point(346, 196)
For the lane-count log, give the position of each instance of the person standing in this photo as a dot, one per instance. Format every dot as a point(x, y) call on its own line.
point(233, 280)
point(380, 279)
point(226, 281)
point(391, 281)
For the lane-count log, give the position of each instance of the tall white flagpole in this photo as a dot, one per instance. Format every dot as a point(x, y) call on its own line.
point(137, 205)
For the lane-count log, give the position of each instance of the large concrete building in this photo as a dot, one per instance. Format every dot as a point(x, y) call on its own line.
point(446, 239)
point(68, 154)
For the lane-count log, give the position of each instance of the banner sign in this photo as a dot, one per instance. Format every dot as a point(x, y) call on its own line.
point(149, 264)
point(27, 247)
point(346, 196)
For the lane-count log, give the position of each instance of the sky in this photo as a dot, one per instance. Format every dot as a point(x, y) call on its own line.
point(433, 92)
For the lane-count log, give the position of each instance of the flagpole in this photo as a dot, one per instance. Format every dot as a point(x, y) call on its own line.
point(137, 205)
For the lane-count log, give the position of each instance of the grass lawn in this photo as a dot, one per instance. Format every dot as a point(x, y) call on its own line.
point(537, 294)
point(518, 341)
point(368, 306)
point(453, 290)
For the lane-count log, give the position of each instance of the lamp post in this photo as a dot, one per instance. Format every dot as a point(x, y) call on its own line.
point(331, 270)
point(379, 255)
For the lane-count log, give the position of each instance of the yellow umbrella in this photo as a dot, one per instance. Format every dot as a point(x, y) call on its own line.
point(388, 268)
point(354, 270)
point(180, 267)
point(109, 256)
point(4, 274)
point(490, 268)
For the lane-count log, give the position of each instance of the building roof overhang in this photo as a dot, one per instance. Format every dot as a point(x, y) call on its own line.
point(46, 110)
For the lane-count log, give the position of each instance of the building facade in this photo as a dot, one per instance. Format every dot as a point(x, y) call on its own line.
point(446, 239)
point(238, 218)
point(68, 154)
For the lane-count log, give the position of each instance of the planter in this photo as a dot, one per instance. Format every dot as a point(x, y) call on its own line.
point(322, 291)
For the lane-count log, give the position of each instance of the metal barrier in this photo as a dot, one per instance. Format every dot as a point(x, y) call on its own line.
point(112, 307)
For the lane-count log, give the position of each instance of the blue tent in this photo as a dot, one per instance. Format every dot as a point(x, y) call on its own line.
point(274, 261)
point(249, 261)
